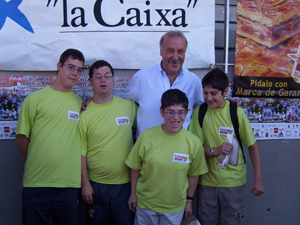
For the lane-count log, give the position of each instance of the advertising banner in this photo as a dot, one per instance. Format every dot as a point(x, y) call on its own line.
point(14, 89)
point(270, 118)
point(267, 57)
point(126, 33)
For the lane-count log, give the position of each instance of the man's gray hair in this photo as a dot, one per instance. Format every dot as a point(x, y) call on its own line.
point(172, 33)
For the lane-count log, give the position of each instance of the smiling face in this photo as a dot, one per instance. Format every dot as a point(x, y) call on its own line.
point(214, 97)
point(173, 124)
point(68, 74)
point(173, 54)
point(102, 87)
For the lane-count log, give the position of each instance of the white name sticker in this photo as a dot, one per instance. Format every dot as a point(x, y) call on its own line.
point(181, 158)
point(73, 115)
point(225, 130)
point(122, 121)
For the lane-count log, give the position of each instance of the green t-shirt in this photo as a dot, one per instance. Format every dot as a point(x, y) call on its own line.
point(106, 139)
point(215, 124)
point(165, 161)
point(50, 119)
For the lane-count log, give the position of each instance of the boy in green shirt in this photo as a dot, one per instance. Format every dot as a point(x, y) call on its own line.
point(165, 163)
point(220, 193)
point(48, 139)
point(106, 139)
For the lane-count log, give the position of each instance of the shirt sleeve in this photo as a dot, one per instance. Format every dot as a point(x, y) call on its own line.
point(199, 95)
point(245, 129)
point(195, 126)
point(83, 138)
point(26, 117)
point(198, 165)
point(134, 159)
point(130, 91)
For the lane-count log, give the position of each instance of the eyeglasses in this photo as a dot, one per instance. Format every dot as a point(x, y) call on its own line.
point(172, 113)
point(72, 68)
point(98, 76)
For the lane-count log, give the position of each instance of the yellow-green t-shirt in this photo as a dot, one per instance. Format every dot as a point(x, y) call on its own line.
point(215, 122)
point(106, 139)
point(165, 161)
point(50, 119)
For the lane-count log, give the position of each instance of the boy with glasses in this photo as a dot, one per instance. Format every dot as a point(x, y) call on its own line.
point(48, 139)
point(165, 163)
point(106, 140)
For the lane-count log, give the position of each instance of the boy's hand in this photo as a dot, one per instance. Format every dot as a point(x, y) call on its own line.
point(132, 202)
point(85, 104)
point(225, 149)
point(188, 208)
point(233, 100)
point(87, 192)
point(257, 188)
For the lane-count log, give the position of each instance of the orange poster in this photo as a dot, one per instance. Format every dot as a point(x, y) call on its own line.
point(267, 57)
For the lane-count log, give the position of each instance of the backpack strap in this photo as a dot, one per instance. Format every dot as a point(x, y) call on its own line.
point(235, 122)
point(202, 112)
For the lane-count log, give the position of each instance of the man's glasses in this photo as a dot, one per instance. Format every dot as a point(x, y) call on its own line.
point(98, 76)
point(172, 113)
point(72, 68)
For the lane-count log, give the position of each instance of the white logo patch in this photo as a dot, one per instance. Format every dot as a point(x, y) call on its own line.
point(122, 120)
point(73, 115)
point(225, 130)
point(181, 158)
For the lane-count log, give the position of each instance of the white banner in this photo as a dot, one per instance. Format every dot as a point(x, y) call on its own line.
point(126, 33)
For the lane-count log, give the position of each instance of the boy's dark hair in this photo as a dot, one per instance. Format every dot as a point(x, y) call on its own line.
point(217, 79)
point(98, 64)
point(174, 97)
point(73, 53)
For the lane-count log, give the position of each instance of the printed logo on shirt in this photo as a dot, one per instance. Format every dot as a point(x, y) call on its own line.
point(122, 120)
point(226, 130)
point(73, 115)
point(181, 158)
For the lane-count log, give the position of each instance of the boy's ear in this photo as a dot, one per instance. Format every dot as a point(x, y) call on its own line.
point(161, 112)
point(59, 65)
point(226, 91)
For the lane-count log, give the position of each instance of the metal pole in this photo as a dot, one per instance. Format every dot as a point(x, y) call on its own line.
point(227, 8)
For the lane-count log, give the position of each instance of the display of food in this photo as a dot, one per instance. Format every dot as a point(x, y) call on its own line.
point(253, 59)
point(268, 22)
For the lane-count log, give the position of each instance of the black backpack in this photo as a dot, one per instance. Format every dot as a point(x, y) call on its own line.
point(233, 117)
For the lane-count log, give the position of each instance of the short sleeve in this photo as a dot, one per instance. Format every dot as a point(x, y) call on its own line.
point(83, 138)
point(195, 126)
point(134, 159)
point(26, 117)
point(130, 90)
point(198, 165)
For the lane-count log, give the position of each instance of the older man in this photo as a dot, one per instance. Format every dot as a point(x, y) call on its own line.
point(147, 85)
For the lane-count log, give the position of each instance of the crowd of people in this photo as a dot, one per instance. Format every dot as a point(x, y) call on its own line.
point(85, 169)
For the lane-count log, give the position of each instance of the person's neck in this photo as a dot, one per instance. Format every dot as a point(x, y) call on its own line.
point(103, 99)
point(59, 87)
point(172, 78)
point(223, 104)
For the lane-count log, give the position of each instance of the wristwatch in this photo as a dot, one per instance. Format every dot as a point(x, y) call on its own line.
point(211, 152)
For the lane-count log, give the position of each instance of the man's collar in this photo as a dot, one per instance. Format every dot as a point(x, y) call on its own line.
point(181, 73)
